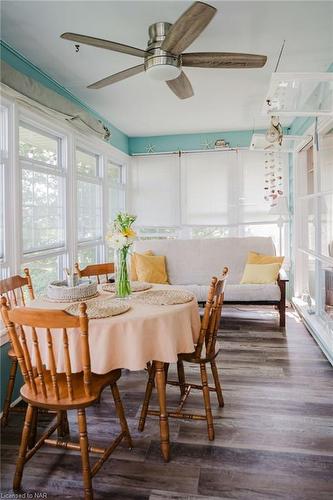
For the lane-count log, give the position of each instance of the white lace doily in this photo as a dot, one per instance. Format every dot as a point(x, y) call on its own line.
point(136, 286)
point(164, 297)
point(100, 308)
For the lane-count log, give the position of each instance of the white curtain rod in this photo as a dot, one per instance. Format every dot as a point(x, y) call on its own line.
point(181, 152)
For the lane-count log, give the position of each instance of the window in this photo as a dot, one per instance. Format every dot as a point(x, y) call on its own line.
point(314, 236)
point(158, 233)
point(89, 207)
point(43, 191)
point(213, 194)
point(207, 197)
point(115, 190)
point(88, 255)
point(210, 232)
point(42, 225)
point(43, 204)
point(4, 174)
point(43, 271)
point(155, 190)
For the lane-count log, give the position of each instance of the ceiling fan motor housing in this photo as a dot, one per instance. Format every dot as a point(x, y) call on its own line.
point(159, 64)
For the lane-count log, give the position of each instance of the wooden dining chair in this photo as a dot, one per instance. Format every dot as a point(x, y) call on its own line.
point(204, 353)
point(13, 288)
point(47, 387)
point(96, 270)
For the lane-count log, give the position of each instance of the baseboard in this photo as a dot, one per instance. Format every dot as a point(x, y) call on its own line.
point(313, 332)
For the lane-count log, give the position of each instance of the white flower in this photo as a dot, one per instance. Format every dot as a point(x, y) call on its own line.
point(117, 240)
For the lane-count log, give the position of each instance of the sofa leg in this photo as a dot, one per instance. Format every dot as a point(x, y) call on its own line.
point(282, 303)
point(282, 312)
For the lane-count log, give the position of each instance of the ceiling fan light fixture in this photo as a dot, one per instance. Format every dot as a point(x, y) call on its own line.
point(163, 72)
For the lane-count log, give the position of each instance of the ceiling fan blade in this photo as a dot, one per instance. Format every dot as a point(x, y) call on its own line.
point(223, 60)
point(117, 77)
point(181, 86)
point(104, 44)
point(188, 27)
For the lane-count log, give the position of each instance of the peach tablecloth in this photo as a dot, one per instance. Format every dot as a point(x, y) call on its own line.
point(130, 340)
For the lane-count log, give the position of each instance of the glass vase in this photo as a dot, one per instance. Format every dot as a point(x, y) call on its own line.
point(123, 284)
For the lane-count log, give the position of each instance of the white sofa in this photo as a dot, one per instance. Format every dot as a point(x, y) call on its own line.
point(192, 263)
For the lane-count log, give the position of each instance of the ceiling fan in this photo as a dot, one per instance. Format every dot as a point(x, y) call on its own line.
point(164, 57)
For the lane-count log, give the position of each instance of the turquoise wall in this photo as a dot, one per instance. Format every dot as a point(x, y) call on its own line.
point(118, 139)
point(188, 142)
point(4, 373)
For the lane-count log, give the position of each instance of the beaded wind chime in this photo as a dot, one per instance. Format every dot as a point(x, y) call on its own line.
point(273, 177)
point(273, 163)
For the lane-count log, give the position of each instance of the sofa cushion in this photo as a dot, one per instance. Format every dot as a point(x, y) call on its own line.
point(261, 274)
point(134, 276)
point(240, 293)
point(259, 258)
point(151, 268)
point(196, 261)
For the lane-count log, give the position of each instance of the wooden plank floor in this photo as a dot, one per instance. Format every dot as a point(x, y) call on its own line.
point(274, 437)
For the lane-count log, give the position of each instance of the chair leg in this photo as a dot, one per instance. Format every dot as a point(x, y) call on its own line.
point(181, 377)
point(33, 431)
point(121, 414)
point(23, 447)
point(206, 396)
point(63, 429)
point(145, 404)
point(84, 445)
point(9, 392)
point(217, 383)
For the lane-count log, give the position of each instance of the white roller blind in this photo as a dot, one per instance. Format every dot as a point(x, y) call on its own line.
point(207, 187)
point(155, 190)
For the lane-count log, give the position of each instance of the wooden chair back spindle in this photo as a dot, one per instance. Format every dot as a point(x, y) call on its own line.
point(13, 289)
point(96, 270)
point(212, 315)
point(42, 322)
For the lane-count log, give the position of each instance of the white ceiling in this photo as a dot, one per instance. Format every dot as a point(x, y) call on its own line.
point(223, 100)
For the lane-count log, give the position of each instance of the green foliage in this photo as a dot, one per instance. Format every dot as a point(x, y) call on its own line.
point(124, 221)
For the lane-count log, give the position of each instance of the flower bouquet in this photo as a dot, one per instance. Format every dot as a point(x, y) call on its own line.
point(121, 238)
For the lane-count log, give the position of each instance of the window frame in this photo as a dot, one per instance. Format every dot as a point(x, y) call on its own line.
point(88, 148)
point(6, 262)
point(60, 171)
point(14, 257)
point(318, 321)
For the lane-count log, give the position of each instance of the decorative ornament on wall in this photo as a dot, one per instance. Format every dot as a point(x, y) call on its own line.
point(107, 134)
point(273, 184)
point(222, 144)
point(207, 144)
point(274, 134)
point(150, 148)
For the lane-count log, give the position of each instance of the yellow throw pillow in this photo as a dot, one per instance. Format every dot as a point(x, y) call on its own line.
point(134, 276)
point(260, 258)
point(260, 274)
point(151, 268)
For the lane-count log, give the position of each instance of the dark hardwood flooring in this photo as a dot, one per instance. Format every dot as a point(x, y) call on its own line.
point(274, 437)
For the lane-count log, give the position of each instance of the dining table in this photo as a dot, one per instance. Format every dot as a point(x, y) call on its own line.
point(145, 332)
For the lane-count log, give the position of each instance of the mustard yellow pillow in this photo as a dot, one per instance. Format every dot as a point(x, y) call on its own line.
point(134, 276)
point(260, 258)
point(151, 268)
point(260, 274)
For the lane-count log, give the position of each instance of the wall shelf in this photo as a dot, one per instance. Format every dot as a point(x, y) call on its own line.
point(289, 143)
point(300, 94)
